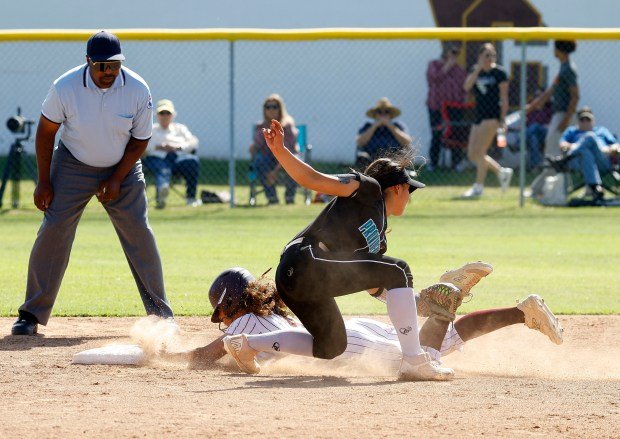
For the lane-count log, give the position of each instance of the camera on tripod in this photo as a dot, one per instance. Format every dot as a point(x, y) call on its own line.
point(22, 129)
point(19, 124)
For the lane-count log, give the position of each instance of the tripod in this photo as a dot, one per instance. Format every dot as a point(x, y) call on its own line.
point(13, 167)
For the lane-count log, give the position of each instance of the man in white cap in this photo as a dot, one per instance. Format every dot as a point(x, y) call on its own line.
point(107, 117)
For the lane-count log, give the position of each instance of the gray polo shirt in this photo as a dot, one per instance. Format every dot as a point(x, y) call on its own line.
point(97, 123)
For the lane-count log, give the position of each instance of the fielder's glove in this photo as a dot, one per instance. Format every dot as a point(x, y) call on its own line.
point(439, 300)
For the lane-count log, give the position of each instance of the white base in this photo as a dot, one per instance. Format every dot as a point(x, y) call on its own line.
point(123, 354)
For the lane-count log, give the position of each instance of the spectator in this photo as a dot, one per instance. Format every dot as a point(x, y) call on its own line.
point(565, 93)
point(172, 150)
point(265, 164)
point(445, 84)
point(384, 134)
point(106, 114)
point(589, 149)
point(537, 125)
point(489, 83)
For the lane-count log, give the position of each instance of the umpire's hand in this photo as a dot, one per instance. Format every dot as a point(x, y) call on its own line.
point(43, 195)
point(108, 190)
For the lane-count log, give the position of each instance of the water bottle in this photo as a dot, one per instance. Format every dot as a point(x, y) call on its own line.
point(501, 137)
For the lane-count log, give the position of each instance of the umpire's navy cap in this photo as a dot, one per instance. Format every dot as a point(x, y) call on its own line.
point(104, 46)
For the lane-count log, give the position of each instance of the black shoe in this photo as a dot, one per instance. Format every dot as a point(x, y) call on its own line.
point(598, 194)
point(559, 164)
point(26, 324)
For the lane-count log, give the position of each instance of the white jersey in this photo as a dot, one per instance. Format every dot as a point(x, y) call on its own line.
point(253, 324)
point(366, 338)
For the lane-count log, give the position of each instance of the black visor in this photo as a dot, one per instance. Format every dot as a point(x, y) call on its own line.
point(400, 177)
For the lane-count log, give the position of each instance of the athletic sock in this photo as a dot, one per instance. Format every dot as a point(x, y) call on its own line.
point(478, 323)
point(402, 312)
point(289, 341)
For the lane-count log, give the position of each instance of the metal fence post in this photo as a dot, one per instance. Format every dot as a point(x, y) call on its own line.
point(523, 103)
point(231, 158)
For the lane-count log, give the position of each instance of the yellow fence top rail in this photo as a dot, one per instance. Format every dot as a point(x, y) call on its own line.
point(446, 33)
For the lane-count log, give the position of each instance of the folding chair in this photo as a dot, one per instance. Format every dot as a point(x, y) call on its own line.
point(305, 151)
point(457, 119)
point(611, 178)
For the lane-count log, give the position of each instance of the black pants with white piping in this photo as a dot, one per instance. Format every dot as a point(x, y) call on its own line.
point(309, 278)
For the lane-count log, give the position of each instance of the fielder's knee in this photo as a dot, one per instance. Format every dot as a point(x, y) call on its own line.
point(401, 278)
point(331, 348)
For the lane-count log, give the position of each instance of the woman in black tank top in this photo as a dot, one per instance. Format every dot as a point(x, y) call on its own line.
point(489, 84)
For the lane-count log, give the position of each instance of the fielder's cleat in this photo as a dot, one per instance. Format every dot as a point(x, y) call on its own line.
point(239, 348)
point(466, 277)
point(26, 324)
point(423, 368)
point(538, 316)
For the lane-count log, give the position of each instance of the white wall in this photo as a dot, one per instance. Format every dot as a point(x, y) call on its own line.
point(327, 85)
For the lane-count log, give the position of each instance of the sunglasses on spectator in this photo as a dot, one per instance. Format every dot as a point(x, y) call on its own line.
point(383, 112)
point(584, 119)
point(113, 66)
point(165, 113)
point(271, 107)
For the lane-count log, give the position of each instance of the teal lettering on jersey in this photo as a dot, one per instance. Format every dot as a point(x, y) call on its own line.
point(371, 235)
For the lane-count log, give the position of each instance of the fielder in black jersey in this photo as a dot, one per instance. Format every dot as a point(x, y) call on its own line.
point(342, 252)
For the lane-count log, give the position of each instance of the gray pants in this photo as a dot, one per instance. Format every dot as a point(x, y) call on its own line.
point(74, 184)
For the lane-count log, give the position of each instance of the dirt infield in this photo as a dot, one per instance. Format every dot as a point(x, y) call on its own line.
point(512, 383)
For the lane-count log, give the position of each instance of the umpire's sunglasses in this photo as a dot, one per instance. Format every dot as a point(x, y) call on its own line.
point(113, 66)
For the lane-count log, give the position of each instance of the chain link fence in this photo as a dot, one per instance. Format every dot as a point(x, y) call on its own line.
point(330, 86)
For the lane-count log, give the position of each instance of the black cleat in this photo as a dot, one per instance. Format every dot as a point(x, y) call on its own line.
point(598, 194)
point(26, 324)
point(559, 164)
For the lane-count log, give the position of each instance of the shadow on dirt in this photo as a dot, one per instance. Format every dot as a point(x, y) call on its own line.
point(24, 343)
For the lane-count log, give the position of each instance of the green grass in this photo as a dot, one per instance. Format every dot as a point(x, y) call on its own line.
point(569, 256)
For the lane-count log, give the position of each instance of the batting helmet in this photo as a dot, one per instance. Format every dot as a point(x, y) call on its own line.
point(227, 291)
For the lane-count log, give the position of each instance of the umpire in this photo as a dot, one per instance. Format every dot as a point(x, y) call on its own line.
point(106, 113)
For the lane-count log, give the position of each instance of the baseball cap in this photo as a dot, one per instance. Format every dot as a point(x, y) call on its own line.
point(586, 113)
point(165, 105)
point(104, 46)
point(399, 177)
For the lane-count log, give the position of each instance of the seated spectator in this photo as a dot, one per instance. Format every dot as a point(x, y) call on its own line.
point(536, 131)
point(383, 134)
point(172, 150)
point(265, 164)
point(589, 150)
